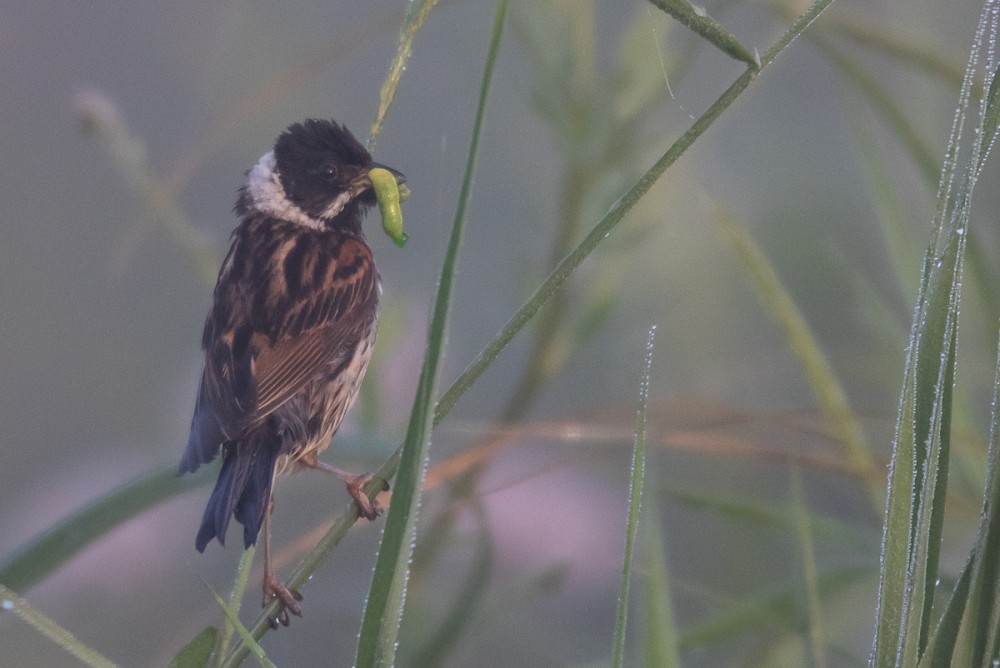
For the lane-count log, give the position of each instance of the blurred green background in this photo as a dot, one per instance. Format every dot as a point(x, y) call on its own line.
point(103, 292)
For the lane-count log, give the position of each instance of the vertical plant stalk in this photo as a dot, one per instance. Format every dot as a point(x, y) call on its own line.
point(636, 480)
point(379, 635)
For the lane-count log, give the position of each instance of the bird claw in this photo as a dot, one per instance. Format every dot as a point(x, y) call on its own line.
point(366, 507)
point(288, 598)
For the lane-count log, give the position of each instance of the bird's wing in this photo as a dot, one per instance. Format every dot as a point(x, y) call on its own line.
point(254, 365)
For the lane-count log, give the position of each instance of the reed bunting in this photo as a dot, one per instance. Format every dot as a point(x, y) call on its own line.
point(290, 332)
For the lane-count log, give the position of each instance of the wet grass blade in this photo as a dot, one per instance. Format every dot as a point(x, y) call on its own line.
point(377, 643)
point(921, 448)
point(636, 480)
point(917, 479)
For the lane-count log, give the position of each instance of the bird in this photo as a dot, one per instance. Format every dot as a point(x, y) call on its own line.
point(289, 334)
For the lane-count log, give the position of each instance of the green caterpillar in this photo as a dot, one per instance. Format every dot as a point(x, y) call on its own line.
point(387, 194)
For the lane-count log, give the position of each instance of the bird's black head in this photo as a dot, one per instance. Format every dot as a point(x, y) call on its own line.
point(316, 172)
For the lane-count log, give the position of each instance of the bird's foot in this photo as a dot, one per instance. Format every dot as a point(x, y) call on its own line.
point(367, 508)
point(288, 598)
point(355, 487)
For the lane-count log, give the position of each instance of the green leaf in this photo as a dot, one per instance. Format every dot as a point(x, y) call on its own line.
point(197, 653)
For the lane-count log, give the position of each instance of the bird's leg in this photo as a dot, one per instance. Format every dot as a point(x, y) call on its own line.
point(367, 508)
point(272, 586)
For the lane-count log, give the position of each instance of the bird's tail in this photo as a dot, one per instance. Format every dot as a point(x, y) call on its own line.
point(243, 489)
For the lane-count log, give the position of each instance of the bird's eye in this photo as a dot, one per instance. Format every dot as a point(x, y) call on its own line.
point(330, 171)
